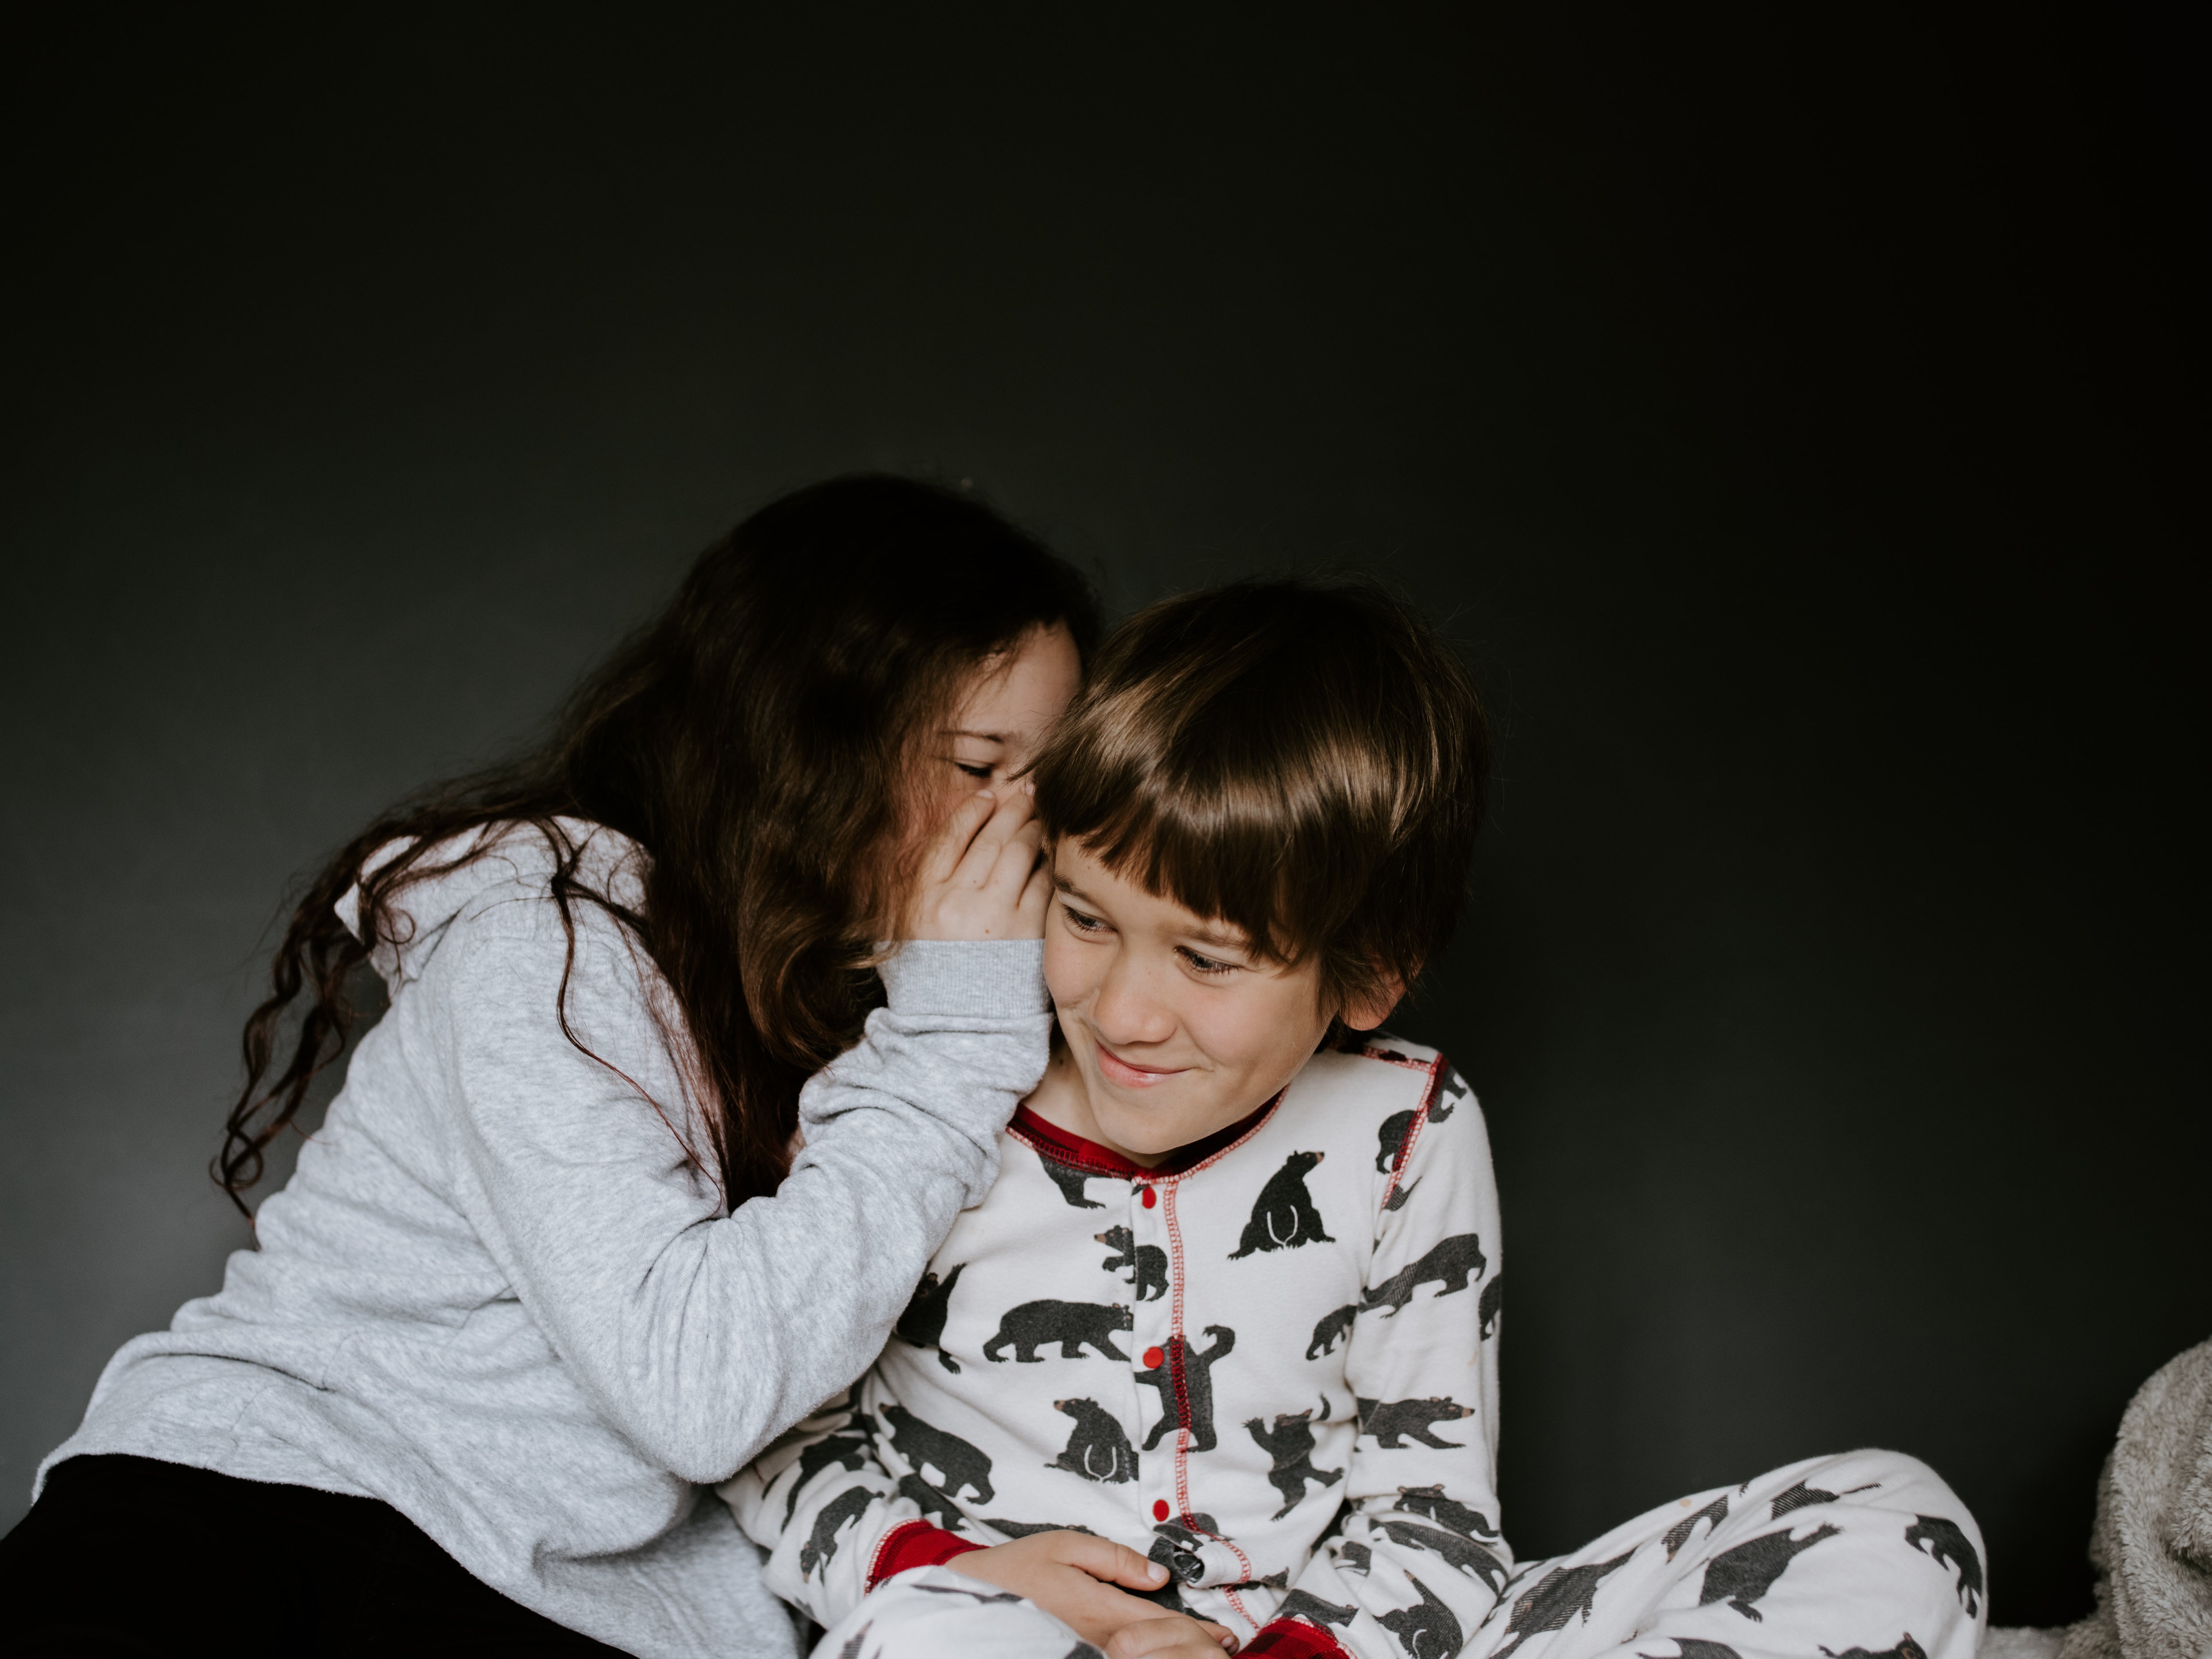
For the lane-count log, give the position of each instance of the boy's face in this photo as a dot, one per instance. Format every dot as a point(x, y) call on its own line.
point(1174, 1027)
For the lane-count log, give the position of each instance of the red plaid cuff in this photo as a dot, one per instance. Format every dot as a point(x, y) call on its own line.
point(916, 1544)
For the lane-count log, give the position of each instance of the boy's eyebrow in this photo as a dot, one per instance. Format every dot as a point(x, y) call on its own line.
point(1232, 941)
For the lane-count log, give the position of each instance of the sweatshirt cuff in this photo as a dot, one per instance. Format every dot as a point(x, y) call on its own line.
point(1294, 1638)
point(915, 1544)
point(994, 979)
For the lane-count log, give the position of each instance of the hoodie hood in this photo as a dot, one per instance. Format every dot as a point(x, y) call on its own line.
point(517, 862)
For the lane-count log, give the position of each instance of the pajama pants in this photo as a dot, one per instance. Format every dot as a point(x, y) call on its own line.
point(1864, 1556)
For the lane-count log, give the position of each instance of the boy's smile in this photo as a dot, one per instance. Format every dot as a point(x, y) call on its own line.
point(1174, 1027)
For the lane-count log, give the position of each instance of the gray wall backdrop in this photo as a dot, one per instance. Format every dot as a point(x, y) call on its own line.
point(1797, 415)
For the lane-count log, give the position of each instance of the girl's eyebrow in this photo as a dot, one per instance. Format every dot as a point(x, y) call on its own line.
point(981, 737)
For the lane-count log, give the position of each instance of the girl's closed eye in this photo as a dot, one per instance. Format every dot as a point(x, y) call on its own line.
point(982, 769)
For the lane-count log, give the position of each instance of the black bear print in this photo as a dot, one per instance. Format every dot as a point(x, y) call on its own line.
point(931, 1502)
point(923, 1322)
point(1425, 1632)
point(1147, 1263)
point(840, 1511)
point(1464, 1554)
point(1070, 1180)
point(1082, 1649)
point(1948, 1546)
point(1290, 1443)
point(1907, 1648)
point(1740, 1575)
point(1450, 1264)
point(1097, 1450)
point(1560, 1596)
point(1390, 1420)
point(1303, 1604)
point(1197, 1387)
point(852, 1649)
point(1074, 1325)
point(1803, 1496)
point(1399, 1197)
point(982, 1598)
point(847, 1449)
point(1392, 1138)
point(1486, 1310)
point(1175, 1546)
point(1356, 1558)
point(1284, 1217)
point(1679, 1533)
point(1333, 1329)
point(1450, 1092)
point(1689, 1647)
point(1444, 1511)
point(960, 1466)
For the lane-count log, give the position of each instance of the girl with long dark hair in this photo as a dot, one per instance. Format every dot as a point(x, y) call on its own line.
point(578, 1234)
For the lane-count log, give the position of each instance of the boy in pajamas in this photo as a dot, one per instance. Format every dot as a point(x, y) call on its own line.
point(1233, 1302)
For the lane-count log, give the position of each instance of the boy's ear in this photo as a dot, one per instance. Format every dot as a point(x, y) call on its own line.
point(1364, 1011)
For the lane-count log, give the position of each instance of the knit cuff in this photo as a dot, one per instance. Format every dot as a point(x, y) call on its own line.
point(994, 979)
point(1293, 1638)
point(915, 1544)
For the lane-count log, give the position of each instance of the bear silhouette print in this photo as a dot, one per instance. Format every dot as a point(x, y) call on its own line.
point(1427, 1630)
point(839, 1512)
point(1333, 1329)
point(1197, 1370)
point(1030, 1528)
point(1147, 1263)
point(1175, 1547)
point(1356, 1558)
point(1391, 1139)
point(1803, 1496)
point(1486, 1310)
point(1074, 1325)
point(960, 1466)
point(1948, 1546)
point(931, 1502)
point(1070, 1180)
point(1097, 1450)
point(1679, 1533)
point(1390, 1420)
point(1444, 1511)
point(923, 1322)
point(1449, 1264)
point(1559, 1597)
point(1303, 1604)
point(1284, 1217)
point(1290, 1444)
point(1740, 1575)
point(1464, 1554)
point(1907, 1648)
point(845, 1449)
point(1400, 1196)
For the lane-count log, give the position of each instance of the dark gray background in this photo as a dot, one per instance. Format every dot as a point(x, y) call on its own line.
point(1797, 415)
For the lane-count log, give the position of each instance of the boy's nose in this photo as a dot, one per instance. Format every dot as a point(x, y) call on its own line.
point(1127, 1011)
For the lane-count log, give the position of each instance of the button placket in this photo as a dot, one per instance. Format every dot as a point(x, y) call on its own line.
point(1154, 1323)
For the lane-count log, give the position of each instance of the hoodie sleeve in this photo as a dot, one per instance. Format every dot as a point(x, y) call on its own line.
point(1418, 1562)
point(701, 1335)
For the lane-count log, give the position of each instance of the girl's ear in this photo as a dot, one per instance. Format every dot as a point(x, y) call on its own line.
point(1364, 1011)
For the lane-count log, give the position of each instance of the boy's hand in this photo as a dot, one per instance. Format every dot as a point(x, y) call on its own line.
point(981, 878)
point(1072, 1576)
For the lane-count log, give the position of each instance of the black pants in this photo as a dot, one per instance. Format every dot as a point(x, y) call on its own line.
point(126, 1556)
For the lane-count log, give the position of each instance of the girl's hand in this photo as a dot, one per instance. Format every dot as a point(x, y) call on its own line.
point(981, 878)
point(1072, 1576)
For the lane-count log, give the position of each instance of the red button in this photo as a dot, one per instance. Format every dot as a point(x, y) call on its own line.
point(1159, 1509)
point(1150, 1198)
point(1154, 1360)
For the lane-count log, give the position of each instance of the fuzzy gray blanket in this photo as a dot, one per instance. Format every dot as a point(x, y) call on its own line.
point(2152, 1543)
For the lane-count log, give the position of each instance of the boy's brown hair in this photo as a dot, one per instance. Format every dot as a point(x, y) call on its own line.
point(1304, 760)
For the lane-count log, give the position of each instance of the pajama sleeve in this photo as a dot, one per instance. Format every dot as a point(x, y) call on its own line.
point(1418, 1562)
point(835, 1520)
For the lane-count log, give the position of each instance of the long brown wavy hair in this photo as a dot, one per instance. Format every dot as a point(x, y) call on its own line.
point(756, 739)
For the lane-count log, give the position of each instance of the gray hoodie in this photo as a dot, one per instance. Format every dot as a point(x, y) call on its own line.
point(496, 1295)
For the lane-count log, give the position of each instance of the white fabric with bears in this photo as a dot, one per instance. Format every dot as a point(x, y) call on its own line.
point(1274, 1371)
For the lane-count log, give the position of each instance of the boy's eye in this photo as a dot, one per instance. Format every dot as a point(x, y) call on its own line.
point(1081, 923)
point(1206, 964)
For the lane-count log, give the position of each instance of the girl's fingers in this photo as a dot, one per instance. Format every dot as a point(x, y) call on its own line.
point(973, 868)
point(1036, 904)
point(954, 839)
point(1017, 860)
point(1171, 1636)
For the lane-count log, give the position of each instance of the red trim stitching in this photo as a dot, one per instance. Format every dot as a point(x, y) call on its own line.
point(1435, 1070)
point(1048, 1140)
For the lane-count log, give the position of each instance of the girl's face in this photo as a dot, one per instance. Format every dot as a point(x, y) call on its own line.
point(998, 724)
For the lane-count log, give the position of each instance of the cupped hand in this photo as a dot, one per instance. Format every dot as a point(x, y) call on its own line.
point(1073, 1576)
point(981, 877)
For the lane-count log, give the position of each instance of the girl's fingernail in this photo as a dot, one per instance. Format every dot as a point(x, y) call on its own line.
point(986, 794)
point(1156, 1571)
